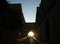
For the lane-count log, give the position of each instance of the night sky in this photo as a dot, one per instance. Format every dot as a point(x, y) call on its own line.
point(29, 8)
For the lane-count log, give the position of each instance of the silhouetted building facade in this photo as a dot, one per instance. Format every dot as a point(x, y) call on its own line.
point(40, 26)
point(18, 15)
point(29, 27)
point(49, 20)
point(11, 22)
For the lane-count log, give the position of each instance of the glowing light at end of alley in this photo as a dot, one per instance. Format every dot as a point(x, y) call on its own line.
point(31, 34)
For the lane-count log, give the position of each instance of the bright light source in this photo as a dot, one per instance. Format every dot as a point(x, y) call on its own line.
point(30, 34)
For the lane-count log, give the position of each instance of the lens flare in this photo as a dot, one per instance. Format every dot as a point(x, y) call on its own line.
point(30, 34)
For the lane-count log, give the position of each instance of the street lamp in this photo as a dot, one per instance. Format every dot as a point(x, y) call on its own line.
point(31, 34)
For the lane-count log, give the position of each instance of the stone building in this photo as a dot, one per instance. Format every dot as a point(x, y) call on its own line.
point(49, 20)
point(11, 22)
